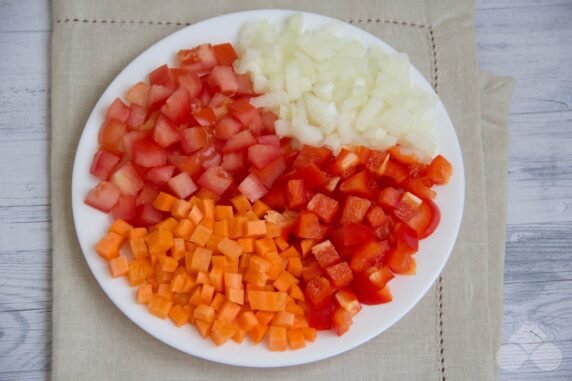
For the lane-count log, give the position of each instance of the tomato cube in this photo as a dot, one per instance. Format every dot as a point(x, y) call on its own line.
point(270, 172)
point(223, 79)
point(178, 106)
point(158, 94)
point(261, 155)
point(319, 292)
point(357, 184)
point(296, 196)
point(232, 161)
point(243, 111)
point(440, 170)
point(202, 54)
point(147, 153)
point(368, 254)
point(147, 215)
point(307, 226)
point(125, 208)
point(272, 140)
point(130, 138)
point(190, 164)
point(193, 139)
point(146, 196)
point(244, 85)
point(324, 207)
point(227, 127)
point(138, 94)
point(117, 111)
point(182, 185)
point(103, 196)
point(216, 179)
point(165, 133)
point(252, 188)
point(192, 83)
point(111, 135)
point(137, 116)
point(340, 274)
point(326, 254)
point(225, 54)
point(205, 116)
point(357, 233)
point(103, 164)
point(354, 210)
point(127, 179)
point(238, 142)
point(160, 175)
point(162, 76)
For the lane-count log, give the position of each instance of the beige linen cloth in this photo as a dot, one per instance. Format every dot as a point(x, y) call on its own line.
point(453, 333)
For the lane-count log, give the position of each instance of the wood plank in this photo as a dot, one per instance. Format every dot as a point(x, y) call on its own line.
point(25, 15)
point(529, 4)
point(517, 364)
point(531, 45)
point(34, 375)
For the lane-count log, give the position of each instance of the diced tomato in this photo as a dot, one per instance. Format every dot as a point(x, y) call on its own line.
point(232, 161)
point(389, 198)
point(252, 188)
point(270, 172)
point(209, 157)
point(354, 209)
point(318, 156)
point(312, 175)
point(400, 262)
point(341, 320)
point(345, 164)
point(124, 208)
point(103, 164)
point(190, 164)
point(138, 94)
point(366, 291)
point(240, 141)
point(340, 274)
point(319, 292)
point(227, 127)
point(348, 300)
point(308, 226)
point(260, 155)
point(216, 180)
point(147, 215)
point(130, 138)
point(418, 187)
point(357, 184)
point(160, 175)
point(225, 54)
point(162, 76)
point(268, 118)
point(368, 254)
point(440, 170)
point(243, 111)
point(178, 106)
point(111, 135)
point(117, 111)
point(146, 196)
point(223, 79)
point(127, 179)
point(158, 94)
point(205, 116)
point(375, 216)
point(380, 277)
point(272, 140)
point(219, 103)
point(255, 125)
point(103, 196)
point(244, 85)
point(137, 116)
point(321, 318)
point(396, 171)
point(150, 122)
point(192, 83)
point(182, 185)
point(193, 139)
point(378, 162)
point(405, 155)
point(202, 54)
point(147, 153)
point(165, 133)
point(356, 233)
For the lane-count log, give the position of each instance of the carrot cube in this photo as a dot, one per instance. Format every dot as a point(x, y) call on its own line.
point(205, 313)
point(203, 278)
point(179, 315)
point(221, 228)
point(247, 321)
point(277, 339)
point(267, 300)
point(159, 306)
point(195, 299)
point(207, 207)
point(259, 208)
point(219, 261)
point(119, 266)
point(295, 267)
point(196, 215)
point(138, 248)
point(218, 300)
point(296, 293)
point(168, 264)
point(283, 319)
point(167, 224)
point(257, 333)
point(233, 280)
point(201, 235)
point(207, 293)
point(208, 222)
point(291, 252)
point(284, 281)
point(222, 332)
point(203, 327)
point(235, 295)
point(159, 241)
point(144, 293)
point(201, 259)
point(255, 228)
point(259, 264)
point(184, 229)
point(229, 248)
point(296, 338)
point(237, 227)
point(272, 230)
point(139, 270)
point(223, 212)
point(247, 244)
point(281, 244)
point(121, 227)
point(241, 203)
point(228, 311)
point(239, 336)
point(164, 202)
point(137, 233)
point(178, 249)
point(309, 333)
point(108, 247)
point(306, 246)
point(255, 278)
point(216, 277)
point(180, 209)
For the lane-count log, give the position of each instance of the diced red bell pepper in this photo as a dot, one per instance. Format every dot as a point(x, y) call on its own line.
point(182, 185)
point(252, 188)
point(216, 179)
point(345, 164)
point(341, 320)
point(276, 197)
point(319, 292)
point(312, 175)
point(326, 254)
point(366, 291)
point(380, 277)
point(389, 198)
point(405, 155)
point(324, 207)
point(270, 172)
point(127, 179)
point(103, 196)
point(262, 154)
point(125, 208)
point(308, 226)
point(418, 187)
point(440, 170)
point(296, 196)
point(378, 162)
point(178, 106)
point(396, 171)
point(417, 171)
point(408, 207)
point(232, 161)
point(223, 79)
point(193, 139)
point(368, 254)
point(160, 175)
point(348, 300)
point(355, 209)
point(117, 111)
point(318, 156)
point(357, 184)
point(321, 318)
point(240, 141)
point(376, 216)
point(147, 153)
point(162, 76)
point(103, 164)
point(400, 262)
point(224, 53)
point(426, 220)
point(357, 233)
point(227, 127)
point(340, 274)
point(406, 238)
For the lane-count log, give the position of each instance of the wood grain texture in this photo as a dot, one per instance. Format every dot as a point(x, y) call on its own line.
point(530, 40)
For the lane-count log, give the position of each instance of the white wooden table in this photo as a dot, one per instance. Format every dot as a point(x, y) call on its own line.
point(530, 40)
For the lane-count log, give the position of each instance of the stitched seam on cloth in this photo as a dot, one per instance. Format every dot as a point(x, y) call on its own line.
point(441, 341)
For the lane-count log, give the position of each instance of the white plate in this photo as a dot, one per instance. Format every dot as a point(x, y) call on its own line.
point(91, 224)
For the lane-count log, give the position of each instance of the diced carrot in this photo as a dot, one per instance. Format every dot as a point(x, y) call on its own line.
point(235, 295)
point(277, 339)
point(222, 331)
point(256, 228)
point(203, 278)
point(137, 233)
point(181, 209)
point(159, 241)
point(237, 227)
point(247, 321)
point(196, 215)
point(267, 300)
point(164, 202)
point(191, 310)
point(296, 338)
point(207, 207)
point(259, 208)
point(241, 203)
point(233, 280)
point(201, 259)
point(184, 229)
point(295, 309)
point(168, 264)
point(311, 270)
point(283, 319)
point(300, 322)
point(195, 299)
point(239, 336)
point(207, 293)
point(284, 281)
point(229, 248)
point(165, 292)
point(108, 247)
point(255, 278)
point(189, 246)
point(213, 241)
point(264, 245)
point(168, 224)
point(218, 300)
point(295, 267)
point(121, 227)
point(247, 244)
point(216, 277)
point(208, 223)
point(203, 327)
point(205, 194)
point(178, 249)
point(228, 311)
point(232, 265)
point(223, 212)
point(162, 276)
point(205, 312)
point(296, 293)
point(281, 244)
point(179, 315)
point(144, 293)
point(195, 201)
point(257, 333)
point(250, 216)
point(221, 228)
point(309, 334)
point(259, 264)
point(159, 306)
point(244, 262)
point(119, 266)
point(138, 248)
point(219, 261)
point(291, 252)
point(139, 270)
point(178, 282)
point(181, 298)
point(201, 235)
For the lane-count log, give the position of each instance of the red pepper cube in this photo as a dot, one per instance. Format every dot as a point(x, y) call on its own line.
point(396, 171)
point(369, 254)
point(376, 217)
point(312, 175)
point(296, 196)
point(312, 155)
point(341, 320)
point(408, 207)
point(318, 292)
point(324, 207)
point(340, 274)
point(378, 162)
point(345, 164)
point(356, 233)
point(389, 198)
point(440, 170)
point(406, 238)
point(379, 278)
point(354, 210)
point(357, 184)
point(401, 263)
point(326, 254)
point(308, 226)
